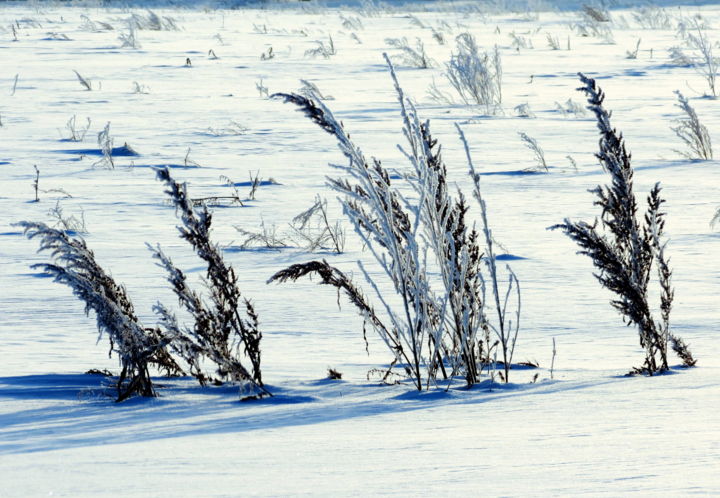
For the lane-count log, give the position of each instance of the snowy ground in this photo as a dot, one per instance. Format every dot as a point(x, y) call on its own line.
point(590, 430)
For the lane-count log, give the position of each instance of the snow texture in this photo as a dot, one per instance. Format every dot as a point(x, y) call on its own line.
point(193, 97)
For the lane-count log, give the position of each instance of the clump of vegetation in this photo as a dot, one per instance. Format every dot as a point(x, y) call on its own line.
point(693, 133)
point(537, 151)
point(475, 75)
point(432, 335)
point(138, 347)
point(322, 49)
point(314, 230)
point(105, 142)
point(225, 329)
point(412, 56)
point(626, 250)
point(76, 131)
point(702, 58)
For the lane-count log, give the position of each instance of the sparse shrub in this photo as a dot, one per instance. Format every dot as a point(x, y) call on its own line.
point(255, 182)
point(36, 183)
point(137, 346)
point(225, 330)
point(624, 249)
point(693, 133)
point(476, 76)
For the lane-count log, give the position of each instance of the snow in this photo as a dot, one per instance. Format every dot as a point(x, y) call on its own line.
point(587, 430)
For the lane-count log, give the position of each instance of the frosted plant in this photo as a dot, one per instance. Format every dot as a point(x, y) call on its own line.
point(624, 249)
point(411, 56)
point(431, 334)
point(94, 26)
point(652, 18)
point(552, 41)
point(704, 61)
point(570, 108)
point(69, 224)
point(476, 76)
point(324, 50)
point(352, 23)
point(152, 22)
point(314, 230)
point(105, 142)
point(225, 330)
point(537, 151)
point(503, 327)
point(267, 237)
point(595, 22)
point(136, 346)
point(77, 132)
point(129, 39)
point(678, 57)
point(519, 41)
point(377, 212)
point(693, 133)
point(311, 89)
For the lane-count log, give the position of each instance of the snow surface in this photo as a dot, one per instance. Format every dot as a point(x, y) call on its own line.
point(589, 430)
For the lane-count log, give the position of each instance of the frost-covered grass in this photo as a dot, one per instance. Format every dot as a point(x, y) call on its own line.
point(586, 430)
